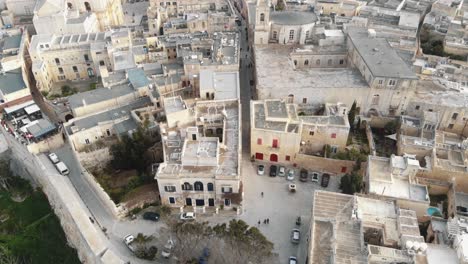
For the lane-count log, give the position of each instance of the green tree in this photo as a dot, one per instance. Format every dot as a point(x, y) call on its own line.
point(391, 127)
point(352, 114)
point(351, 183)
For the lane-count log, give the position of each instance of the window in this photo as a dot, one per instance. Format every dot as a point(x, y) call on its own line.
point(306, 62)
point(341, 62)
point(454, 116)
point(288, 158)
point(42, 46)
point(262, 17)
point(198, 186)
point(275, 34)
point(169, 188)
point(330, 62)
point(259, 156)
point(430, 110)
point(380, 82)
point(391, 82)
point(304, 100)
point(259, 141)
point(333, 135)
point(70, 5)
point(60, 70)
point(57, 61)
point(333, 149)
point(227, 202)
point(417, 107)
point(226, 189)
point(307, 34)
point(210, 187)
point(86, 57)
point(171, 200)
point(343, 169)
point(291, 35)
point(450, 126)
point(275, 144)
point(311, 133)
point(317, 62)
point(75, 69)
point(295, 62)
point(375, 99)
point(187, 186)
point(87, 141)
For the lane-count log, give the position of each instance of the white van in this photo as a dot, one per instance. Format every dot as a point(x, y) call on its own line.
point(62, 168)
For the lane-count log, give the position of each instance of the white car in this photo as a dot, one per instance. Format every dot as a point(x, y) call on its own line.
point(315, 177)
point(54, 158)
point(295, 236)
point(166, 252)
point(187, 216)
point(290, 176)
point(292, 260)
point(261, 170)
point(282, 171)
point(129, 239)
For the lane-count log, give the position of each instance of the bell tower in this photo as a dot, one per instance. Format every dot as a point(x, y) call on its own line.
point(262, 22)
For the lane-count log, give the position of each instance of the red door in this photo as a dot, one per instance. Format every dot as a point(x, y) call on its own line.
point(274, 157)
point(275, 143)
point(259, 156)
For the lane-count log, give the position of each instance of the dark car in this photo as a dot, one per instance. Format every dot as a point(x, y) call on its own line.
point(151, 216)
point(325, 180)
point(273, 170)
point(303, 175)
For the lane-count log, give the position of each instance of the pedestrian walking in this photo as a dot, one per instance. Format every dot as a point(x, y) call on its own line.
point(264, 221)
point(259, 222)
point(262, 194)
point(268, 220)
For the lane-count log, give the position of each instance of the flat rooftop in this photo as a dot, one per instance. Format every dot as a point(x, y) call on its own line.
point(382, 182)
point(225, 113)
point(381, 59)
point(277, 76)
point(225, 84)
point(99, 95)
point(173, 104)
point(293, 18)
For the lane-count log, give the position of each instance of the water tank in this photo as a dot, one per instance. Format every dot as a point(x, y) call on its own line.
point(409, 244)
point(423, 247)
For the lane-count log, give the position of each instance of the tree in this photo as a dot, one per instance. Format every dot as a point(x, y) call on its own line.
point(391, 127)
point(351, 183)
point(352, 114)
point(235, 242)
point(142, 251)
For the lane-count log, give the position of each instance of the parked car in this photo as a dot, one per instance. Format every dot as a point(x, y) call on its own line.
point(128, 240)
point(315, 177)
point(292, 187)
point(54, 158)
point(62, 168)
point(151, 216)
point(187, 216)
point(325, 180)
point(298, 220)
point(304, 175)
point(261, 170)
point(290, 176)
point(292, 260)
point(295, 236)
point(166, 252)
point(273, 170)
point(282, 171)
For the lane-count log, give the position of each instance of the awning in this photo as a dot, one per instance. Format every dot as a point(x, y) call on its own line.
point(32, 109)
point(15, 108)
point(42, 127)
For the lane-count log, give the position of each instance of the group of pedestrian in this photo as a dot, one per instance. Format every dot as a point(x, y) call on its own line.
point(265, 221)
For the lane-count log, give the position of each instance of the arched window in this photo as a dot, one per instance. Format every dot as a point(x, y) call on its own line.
point(306, 62)
point(57, 61)
point(210, 187)
point(87, 6)
point(291, 34)
point(295, 62)
point(198, 186)
point(330, 62)
point(291, 98)
point(70, 5)
point(262, 17)
point(187, 186)
point(375, 99)
point(275, 34)
point(317, 62)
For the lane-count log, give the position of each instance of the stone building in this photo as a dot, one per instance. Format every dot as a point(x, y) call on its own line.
point(202, 156)
point(280, 130)
point(287, 27)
